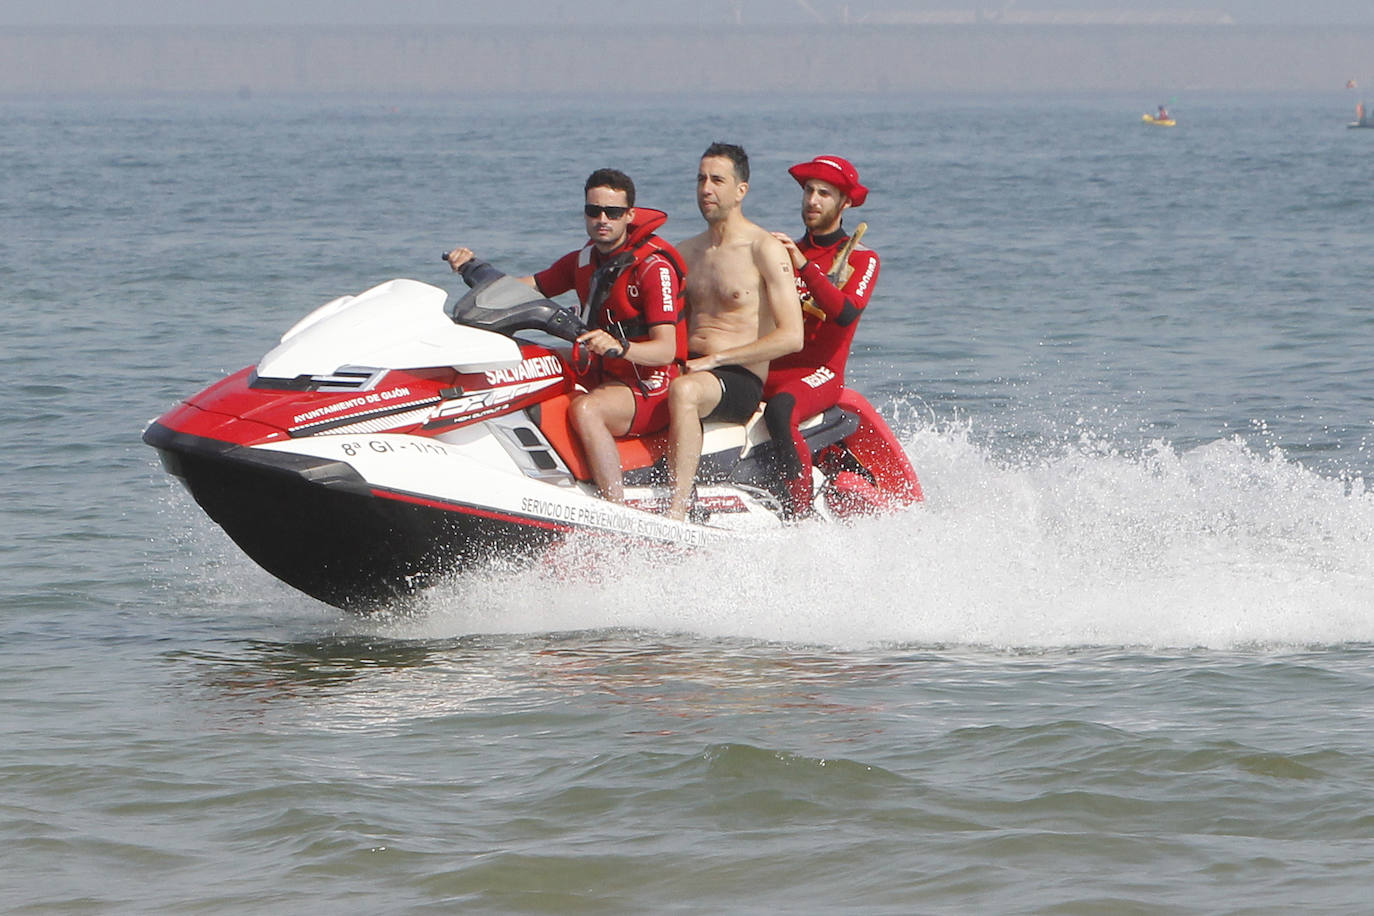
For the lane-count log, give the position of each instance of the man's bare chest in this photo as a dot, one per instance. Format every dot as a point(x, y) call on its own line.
point(724, 279)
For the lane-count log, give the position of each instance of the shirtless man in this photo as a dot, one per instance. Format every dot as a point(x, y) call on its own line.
point(742, 312)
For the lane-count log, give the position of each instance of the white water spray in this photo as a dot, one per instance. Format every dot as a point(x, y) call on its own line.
point(1218, 546)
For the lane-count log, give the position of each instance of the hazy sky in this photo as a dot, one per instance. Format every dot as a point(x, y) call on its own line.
point(694, 12)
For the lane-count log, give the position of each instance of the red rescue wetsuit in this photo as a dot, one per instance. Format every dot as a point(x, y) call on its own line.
point(644, 294)
point(804, 383)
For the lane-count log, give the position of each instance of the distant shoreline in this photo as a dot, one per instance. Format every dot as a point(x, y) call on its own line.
point(43, 61)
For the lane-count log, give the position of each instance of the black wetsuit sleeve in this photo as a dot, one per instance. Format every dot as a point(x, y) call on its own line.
point(477, 272)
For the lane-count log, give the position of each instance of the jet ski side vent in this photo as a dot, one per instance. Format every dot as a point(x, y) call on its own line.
point(349, 378)
point(345, 378)
point(531, 451)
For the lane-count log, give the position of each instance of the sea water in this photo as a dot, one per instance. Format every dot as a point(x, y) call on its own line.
point(1119, 661)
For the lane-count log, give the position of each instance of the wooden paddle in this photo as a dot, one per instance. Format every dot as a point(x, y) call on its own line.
point(840, 270)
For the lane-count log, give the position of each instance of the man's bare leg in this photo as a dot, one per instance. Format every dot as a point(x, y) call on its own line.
point(684, 454)
point(597, 418)
point(690, 397)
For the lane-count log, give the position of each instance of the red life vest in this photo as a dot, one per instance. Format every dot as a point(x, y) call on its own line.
point(618, 269)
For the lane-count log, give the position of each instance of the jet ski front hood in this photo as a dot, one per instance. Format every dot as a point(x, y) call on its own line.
point(399, 324)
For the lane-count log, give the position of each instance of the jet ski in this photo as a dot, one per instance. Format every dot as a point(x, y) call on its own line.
point(395, 437)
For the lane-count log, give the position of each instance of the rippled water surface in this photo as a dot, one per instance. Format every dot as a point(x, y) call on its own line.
point(1119, 662)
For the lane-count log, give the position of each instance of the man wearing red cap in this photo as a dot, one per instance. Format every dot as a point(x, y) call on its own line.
point(834, 292)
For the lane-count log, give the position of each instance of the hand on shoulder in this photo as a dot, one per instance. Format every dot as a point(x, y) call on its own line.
point(769, 250)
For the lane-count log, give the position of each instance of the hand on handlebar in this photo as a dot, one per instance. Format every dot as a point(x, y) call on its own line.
point(603, 344)
point(458, 257)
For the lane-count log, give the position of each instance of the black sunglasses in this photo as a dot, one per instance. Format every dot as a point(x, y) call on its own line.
point(593, 211)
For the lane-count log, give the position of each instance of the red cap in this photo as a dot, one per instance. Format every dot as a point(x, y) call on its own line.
point(836, 171)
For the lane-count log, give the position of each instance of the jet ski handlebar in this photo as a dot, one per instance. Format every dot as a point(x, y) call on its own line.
point(504, 305)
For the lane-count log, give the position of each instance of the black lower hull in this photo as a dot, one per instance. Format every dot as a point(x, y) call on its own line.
point(317, 526)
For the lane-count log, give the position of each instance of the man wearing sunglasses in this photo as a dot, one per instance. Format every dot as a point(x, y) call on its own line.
point(743, 312)
point(835, 277)
point(628, 281)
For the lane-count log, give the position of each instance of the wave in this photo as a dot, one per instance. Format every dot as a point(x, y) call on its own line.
point(1217, 546)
